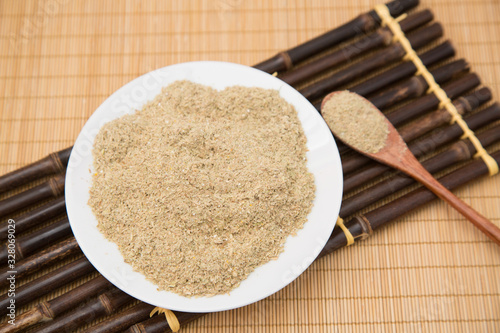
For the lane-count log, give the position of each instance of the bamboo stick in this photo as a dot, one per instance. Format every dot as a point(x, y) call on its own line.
point(403, 70)
point(442, 116)
point(379, 59)
point(362, 226)
point(123, 320)
point(428, 102)
point(359, 25)
point(417, 85)
point(28, 244)
point(41, 259)
point(158, 324)
point(24, 222)
point(381, 37)
point(459, 151)
point(48, 310)
point(45, 284)
point(414, 109)
point(52, 188)
point(52, 164)
point(105, 304)
point(430, 143)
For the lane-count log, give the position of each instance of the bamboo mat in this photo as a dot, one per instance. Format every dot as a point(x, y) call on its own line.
point(431, 271)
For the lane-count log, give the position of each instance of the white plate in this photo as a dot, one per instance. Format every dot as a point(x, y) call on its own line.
point(300, 250)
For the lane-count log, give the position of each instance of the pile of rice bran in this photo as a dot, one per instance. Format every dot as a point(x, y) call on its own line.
point(200, 187)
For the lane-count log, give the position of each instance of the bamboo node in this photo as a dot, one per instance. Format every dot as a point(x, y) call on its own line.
point(56, 162)
point(286, 59)
point(347, 233)
point(445, 102)
point(172, 320)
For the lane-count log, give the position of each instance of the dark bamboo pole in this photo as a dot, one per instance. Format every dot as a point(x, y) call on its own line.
point(379, 59)
point(359, 25)
point(430, 143)
point(28, 244)
point(104, 304)
point(158, 324)
point(41, 259)
point(52, 164)
point(417, 85)
point(362, 226)
point(414, 109)
point(428, 102)
point(24, 222)
point(442, 116)
point(48, 310)
point(381, 37)
point(459, 151)
point(123, 320)
point(403, 70)
point(45, 284)
point(52, 188)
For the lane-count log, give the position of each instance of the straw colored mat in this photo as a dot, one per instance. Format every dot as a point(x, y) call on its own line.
point(430, 271)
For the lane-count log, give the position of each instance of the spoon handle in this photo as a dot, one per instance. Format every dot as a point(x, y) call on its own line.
point(481, 222)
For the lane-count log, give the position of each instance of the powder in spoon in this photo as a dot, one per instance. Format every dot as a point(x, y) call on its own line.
point(356, 121)
point(200, 187)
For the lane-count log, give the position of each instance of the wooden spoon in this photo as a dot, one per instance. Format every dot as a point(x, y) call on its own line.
point(395, 153)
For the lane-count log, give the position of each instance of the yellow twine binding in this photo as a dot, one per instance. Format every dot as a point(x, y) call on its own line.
point(399, 36)
point(347, 233)
point(172, 320)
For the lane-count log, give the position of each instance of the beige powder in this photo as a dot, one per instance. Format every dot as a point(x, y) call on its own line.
point(200, 187)
point(356, 121)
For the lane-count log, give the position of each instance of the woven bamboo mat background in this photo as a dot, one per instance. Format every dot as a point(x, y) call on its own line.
point(431, 271)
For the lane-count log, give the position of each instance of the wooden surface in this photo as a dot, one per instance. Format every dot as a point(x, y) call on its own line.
point(431, 271)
